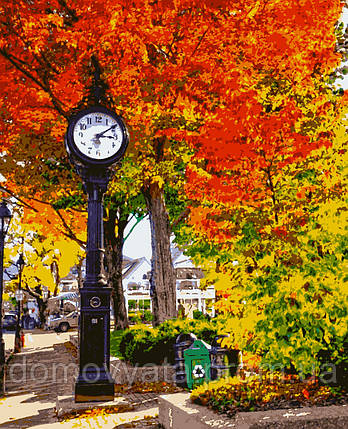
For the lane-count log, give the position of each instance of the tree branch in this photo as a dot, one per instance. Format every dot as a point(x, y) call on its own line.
point(271, 186)
point(15, 62)
point(18, 199)
point(138, 219)
point(183, 215)
point(70, 234)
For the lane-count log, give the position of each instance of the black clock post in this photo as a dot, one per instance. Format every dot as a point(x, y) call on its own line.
point(94, 382)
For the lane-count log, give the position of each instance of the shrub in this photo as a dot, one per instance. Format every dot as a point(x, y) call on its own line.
point(134, 317)
point(199, 315)
point(135, 343)
point(333, 362)
point(141, 344)
point(206, 331)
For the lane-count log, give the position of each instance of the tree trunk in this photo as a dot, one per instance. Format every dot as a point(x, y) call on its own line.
point(56, 276)
point(41, 303)
point(42, 310)
point(162, 281)
point(113, 254)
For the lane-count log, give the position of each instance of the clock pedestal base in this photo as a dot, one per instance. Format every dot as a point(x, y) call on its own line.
point(94, 392)
point(94, 382)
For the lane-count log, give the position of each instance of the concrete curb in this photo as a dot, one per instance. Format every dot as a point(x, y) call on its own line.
point(74, 339)
point(176, 411)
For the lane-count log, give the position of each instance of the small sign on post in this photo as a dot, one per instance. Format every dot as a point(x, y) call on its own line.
point(197, 364)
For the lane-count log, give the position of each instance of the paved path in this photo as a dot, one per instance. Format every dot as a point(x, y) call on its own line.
point(46, 369)
point(33, 381)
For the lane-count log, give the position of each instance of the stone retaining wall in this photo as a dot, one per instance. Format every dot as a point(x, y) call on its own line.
point(176, 411)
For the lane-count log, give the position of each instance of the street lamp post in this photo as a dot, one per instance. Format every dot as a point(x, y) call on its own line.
point(19, 297)
point(96, 138)
point(5, 218)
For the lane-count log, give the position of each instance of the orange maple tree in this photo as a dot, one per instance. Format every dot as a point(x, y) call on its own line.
point(177, 70)
point(275, 107)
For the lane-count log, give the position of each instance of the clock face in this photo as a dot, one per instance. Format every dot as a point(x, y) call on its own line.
point(97, 135)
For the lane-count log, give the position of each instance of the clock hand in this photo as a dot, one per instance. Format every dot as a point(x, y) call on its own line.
point(100, 134)
point(106, 137)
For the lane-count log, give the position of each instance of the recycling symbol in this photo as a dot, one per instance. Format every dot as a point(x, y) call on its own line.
point(198, 371)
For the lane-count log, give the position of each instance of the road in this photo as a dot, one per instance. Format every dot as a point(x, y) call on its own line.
point(37, 339)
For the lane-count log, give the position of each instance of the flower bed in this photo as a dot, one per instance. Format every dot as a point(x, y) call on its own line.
point(265, 392)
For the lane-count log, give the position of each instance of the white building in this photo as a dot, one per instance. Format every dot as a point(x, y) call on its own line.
point(136, 285)
point(69, 283)
point(188, 291)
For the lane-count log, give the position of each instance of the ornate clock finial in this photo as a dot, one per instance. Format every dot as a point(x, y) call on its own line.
point(99, 88)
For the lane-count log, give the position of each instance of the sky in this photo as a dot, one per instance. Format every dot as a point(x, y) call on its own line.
point(138, 244)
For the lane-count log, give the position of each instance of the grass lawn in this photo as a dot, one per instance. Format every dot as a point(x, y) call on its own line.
point(115, 339)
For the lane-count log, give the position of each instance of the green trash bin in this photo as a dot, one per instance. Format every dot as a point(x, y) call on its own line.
point(197, 364)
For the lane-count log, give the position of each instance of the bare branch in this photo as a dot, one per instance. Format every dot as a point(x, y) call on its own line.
point(70, 234)
point(18, 199)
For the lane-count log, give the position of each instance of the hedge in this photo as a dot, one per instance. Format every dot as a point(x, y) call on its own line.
point(142, 345)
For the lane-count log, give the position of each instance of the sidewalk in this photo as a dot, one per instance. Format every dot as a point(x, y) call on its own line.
point(37, 376)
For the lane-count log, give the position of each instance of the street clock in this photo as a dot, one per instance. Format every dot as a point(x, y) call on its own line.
point(96, 136)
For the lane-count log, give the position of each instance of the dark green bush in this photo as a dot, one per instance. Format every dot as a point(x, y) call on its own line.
point(141, 344)
point(134, 345)
point(206, 331)
point(199, 315)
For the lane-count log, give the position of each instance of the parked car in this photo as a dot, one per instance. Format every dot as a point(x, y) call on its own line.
point(64, 323)
point(9, 321)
